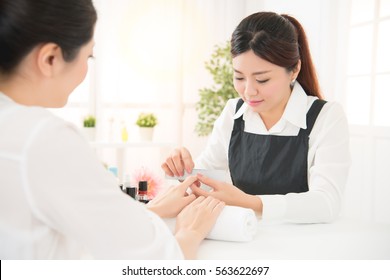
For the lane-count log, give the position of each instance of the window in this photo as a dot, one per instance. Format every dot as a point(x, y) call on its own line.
point(366, 77)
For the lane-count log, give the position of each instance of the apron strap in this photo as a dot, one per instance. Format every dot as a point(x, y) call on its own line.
point(238, 123)
point(312, 115)
point(239, 104)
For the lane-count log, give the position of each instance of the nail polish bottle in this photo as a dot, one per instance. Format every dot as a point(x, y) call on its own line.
point(128, 188)
point(143, 192)
point(132, 191)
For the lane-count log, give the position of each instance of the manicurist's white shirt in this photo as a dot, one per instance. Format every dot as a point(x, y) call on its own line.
point(58, 202)
point(328, 156)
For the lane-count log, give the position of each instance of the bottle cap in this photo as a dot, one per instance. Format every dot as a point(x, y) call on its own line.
point(143, 186)
point(126, 181)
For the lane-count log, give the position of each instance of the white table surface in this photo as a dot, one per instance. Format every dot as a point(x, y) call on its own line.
point(342, 239)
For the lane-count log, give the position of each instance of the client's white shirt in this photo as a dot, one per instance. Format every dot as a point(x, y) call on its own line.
point(58, 202)
point(328, 156)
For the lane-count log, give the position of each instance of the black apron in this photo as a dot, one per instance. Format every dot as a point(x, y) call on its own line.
point(270, 164)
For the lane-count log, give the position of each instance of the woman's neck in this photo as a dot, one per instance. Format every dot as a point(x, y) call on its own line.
point(271, 117)
point(270, 120)
point(20, 91)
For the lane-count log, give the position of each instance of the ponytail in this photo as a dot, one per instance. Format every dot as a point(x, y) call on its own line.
point(307, 76)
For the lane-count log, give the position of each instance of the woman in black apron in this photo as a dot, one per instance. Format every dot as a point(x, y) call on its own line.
point(273, 73)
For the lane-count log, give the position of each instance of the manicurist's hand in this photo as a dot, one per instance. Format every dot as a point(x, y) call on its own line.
point(228, 193)
point(195, 222)
point(169, 203)
point(177, 162)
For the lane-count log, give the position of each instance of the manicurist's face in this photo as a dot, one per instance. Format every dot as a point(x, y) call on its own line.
point(73, 73)
point(264, 86)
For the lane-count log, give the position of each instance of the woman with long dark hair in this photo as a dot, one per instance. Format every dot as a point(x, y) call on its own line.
point(285, 147)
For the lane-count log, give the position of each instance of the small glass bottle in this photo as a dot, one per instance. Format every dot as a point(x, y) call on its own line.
point(125, 135)
point(128, 188)
point(132, 191)
point(143, 192)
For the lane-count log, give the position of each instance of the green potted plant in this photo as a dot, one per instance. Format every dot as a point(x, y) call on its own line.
point(146, 123)
point(89, 123)
point(213, 99)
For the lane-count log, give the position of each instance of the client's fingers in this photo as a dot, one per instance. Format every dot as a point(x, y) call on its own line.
point(199, 191)
point(218, 208)
point(190, 180)
point(210, 203)
point(189, 198)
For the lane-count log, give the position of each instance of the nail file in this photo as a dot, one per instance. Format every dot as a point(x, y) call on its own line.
point(215, 174)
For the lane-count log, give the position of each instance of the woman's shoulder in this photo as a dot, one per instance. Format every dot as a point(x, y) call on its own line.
point(334, 108)
point(22, 125)
point(331, 113)
point(330, 106)
point(38, 118)
point(38, 122)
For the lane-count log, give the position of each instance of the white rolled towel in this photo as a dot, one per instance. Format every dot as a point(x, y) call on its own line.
point(233, 224)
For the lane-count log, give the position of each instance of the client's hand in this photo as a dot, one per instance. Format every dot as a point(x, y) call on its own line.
point(195, 222)
point(228, 193)
point(169, 203)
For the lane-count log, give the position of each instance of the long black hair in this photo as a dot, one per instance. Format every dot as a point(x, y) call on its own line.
point(25, 24)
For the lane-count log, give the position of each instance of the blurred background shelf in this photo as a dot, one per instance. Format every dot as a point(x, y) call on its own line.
point(128, 156)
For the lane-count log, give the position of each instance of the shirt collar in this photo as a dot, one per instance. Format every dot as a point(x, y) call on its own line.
point(241, 111)
point(295, 111)
point(296, 108)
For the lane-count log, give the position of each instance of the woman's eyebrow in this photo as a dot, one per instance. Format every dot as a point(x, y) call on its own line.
point(255, 73)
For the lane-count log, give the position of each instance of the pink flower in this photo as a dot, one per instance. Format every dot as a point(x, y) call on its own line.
point(155, 182)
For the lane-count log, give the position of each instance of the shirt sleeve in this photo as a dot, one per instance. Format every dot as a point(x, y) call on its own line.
point(215, 155)
point(75, 196)
point(329, 162)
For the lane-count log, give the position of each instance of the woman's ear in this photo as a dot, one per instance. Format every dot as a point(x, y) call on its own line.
point(48, 58)
point(296, 70)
